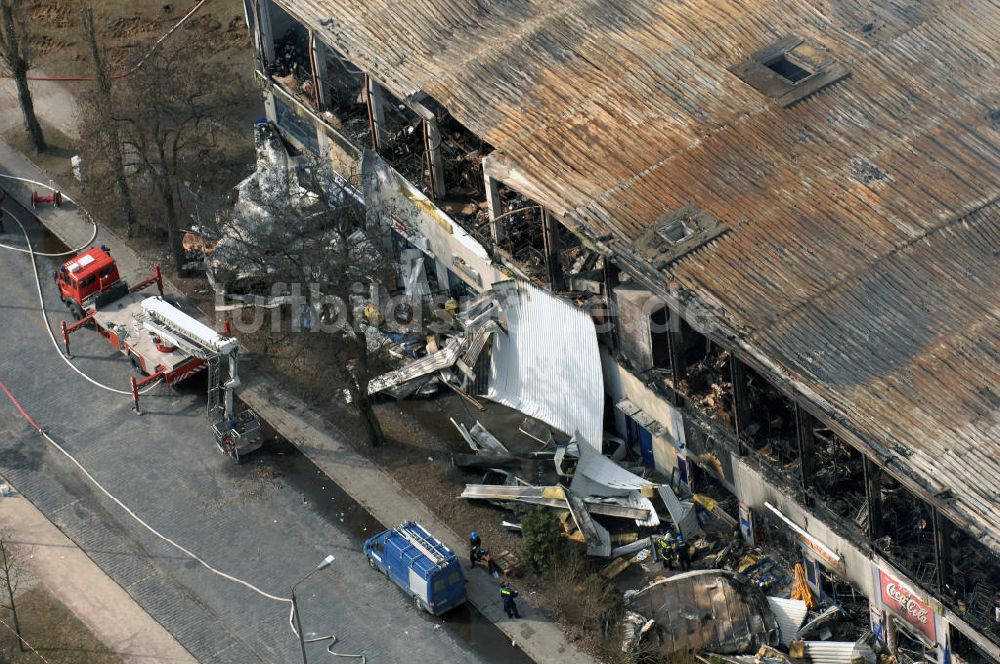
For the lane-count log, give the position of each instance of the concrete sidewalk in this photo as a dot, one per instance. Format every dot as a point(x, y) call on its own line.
point(359, 477)
point(73, 578)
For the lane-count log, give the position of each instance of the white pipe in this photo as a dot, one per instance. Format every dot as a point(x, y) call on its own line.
point(833, 555)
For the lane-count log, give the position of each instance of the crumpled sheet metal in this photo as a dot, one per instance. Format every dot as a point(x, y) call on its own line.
point(712, 610)
point(596, 475)
point(480, 439)
point(548, 365)
point(597, 536)
point(428, 364)
point(683, 514)
point(790, 614)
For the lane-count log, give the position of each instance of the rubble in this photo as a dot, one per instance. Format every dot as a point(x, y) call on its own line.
point(705, 610)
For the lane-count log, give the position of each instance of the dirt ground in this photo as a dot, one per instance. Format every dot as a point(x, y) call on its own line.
point(54, 631)
point(126, 29)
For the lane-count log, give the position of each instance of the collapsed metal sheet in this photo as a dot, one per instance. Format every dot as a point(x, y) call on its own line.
point(790, 614)
point(683, 514)
point(596, 475)
point(597, 536)
point(632, 547)
point(838, 652)
point(548, 365)
point(712, 610)
point(428, 364)
point(551, 496)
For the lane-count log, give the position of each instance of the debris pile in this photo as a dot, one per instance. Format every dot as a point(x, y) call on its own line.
point(729, 600)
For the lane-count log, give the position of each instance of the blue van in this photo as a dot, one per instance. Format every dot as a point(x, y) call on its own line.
point(419, 564)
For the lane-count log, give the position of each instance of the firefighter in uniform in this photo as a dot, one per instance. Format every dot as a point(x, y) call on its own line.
point(665, 550)
point(508, 594)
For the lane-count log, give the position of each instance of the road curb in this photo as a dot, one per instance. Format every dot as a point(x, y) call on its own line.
point(365, 482)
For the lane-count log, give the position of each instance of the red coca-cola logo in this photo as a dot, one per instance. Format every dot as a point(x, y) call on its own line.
point(900, 600)
point(906, 602)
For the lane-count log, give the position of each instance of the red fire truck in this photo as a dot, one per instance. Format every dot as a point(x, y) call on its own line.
point(161, 341)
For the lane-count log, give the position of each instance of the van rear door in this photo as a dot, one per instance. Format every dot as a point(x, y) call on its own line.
point(418, 585)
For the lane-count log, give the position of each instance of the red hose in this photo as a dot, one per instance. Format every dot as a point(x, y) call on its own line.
point(18, 406)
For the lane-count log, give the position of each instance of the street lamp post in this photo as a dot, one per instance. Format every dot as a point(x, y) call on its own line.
point(295, 607)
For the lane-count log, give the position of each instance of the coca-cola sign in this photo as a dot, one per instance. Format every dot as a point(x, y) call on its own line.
point(899, 599)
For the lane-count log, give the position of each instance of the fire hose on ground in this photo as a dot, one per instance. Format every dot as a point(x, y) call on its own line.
point(187, 552)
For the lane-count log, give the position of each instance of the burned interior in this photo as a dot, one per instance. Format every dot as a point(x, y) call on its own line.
point(815, 413)
point(835, 476)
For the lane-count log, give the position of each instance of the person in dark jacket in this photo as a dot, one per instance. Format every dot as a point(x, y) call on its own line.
point(475, 548)
point(683, 552)
point(508, 595)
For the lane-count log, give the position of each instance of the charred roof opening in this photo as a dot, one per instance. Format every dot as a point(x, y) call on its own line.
point(790, 69)
point(677, 234)
point(784, 67)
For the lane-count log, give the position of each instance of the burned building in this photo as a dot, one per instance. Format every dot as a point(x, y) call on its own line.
point(784, 216)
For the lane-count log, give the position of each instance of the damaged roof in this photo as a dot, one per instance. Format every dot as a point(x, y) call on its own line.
point(847, 226)
point(707, 610)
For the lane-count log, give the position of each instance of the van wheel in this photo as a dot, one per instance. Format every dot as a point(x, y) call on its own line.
point(371, 563)
point(420, 604)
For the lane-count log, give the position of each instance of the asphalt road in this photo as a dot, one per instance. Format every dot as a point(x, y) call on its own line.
point(268, 521)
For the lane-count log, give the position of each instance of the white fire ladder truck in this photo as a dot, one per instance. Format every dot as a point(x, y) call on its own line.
point(160, 340)
point(235, 433)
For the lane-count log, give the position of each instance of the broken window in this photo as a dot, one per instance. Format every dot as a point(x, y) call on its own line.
point(296, 127)
point(401, 137)
point(290, 65)
point(973, 589)
point(531, 240)
point(342, 96)
point(907, 535)
point(462, 154)
point(705, 379)
point(838, 478)
point(965, 648)
point(790, 69)
point(705, 474)
point(769, 425)
point(660, 333)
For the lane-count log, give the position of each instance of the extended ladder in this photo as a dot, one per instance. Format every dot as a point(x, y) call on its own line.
point(422, 544)
point(214, 387)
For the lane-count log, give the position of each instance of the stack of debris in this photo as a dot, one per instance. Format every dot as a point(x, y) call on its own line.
point(723, 613)
point(579, 481)
point(482, 319)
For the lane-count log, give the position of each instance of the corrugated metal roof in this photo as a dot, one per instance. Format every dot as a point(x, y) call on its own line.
point(548, 365)
point(790, 614)
point(838, 652)
point(864, 221)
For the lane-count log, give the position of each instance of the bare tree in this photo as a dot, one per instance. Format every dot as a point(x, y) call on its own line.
point(105, 139)
point(11, 572)
point(166, 124)
point(287, 236)
point(15, 52)
point(172, 116)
